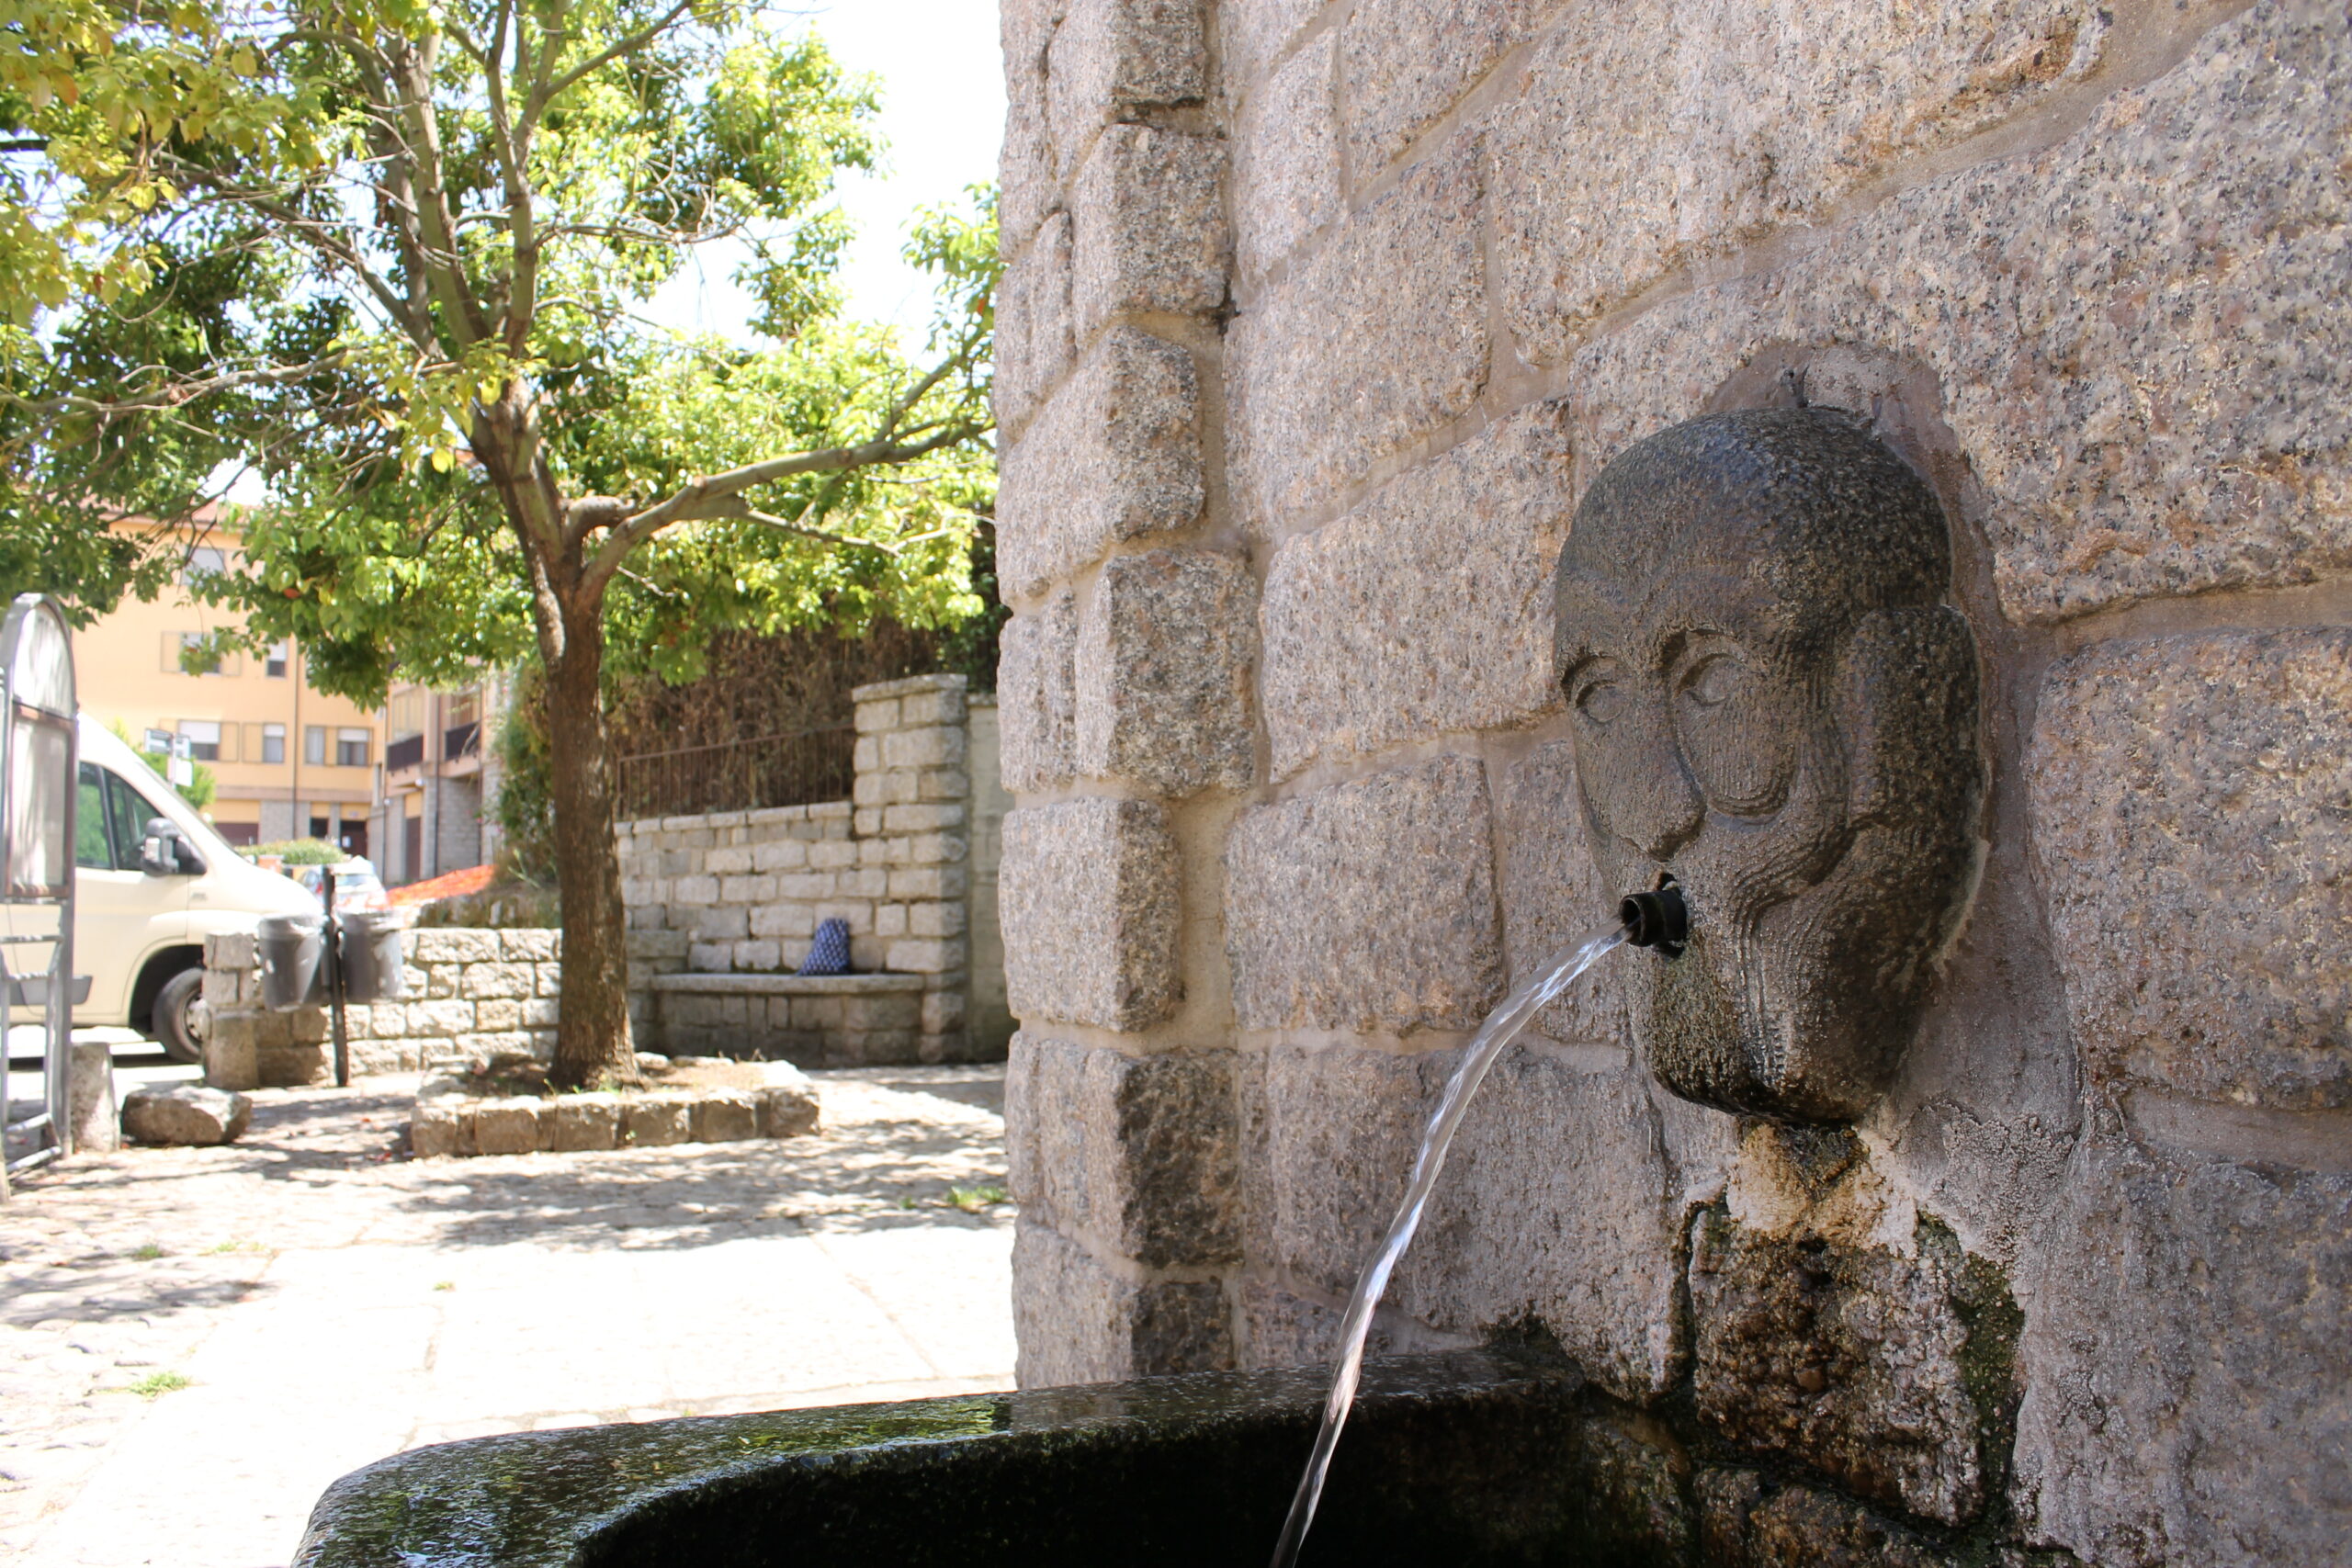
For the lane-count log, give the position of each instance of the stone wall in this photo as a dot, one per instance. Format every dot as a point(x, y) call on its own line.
point(743, 892)
point(1318, 318)
point(467, 993)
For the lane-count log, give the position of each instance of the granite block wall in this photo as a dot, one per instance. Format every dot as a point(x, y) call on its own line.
point(1319, 316)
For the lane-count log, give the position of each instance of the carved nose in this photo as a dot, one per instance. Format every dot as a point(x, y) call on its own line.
point(1659, 808)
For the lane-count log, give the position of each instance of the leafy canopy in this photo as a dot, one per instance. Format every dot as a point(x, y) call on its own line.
point(396, 258)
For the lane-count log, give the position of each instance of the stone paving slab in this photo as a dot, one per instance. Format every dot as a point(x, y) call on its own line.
point(329, 1302)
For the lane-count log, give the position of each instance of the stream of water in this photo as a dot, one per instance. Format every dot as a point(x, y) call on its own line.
point(1502, 1026)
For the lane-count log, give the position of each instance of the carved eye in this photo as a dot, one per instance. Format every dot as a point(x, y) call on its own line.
point(1601, 702)
point(1716, 681)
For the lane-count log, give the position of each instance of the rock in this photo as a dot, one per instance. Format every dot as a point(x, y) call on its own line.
point(1088, 899)
point(1077, 1322)
point(1110, 59)
point(2188, 816)
point(1115, 455)
point(1163, 658)
point(507, 1126)
point(2048, 292)
point(1637, 150)
point(439, 1129)
point(653, 1062)
point(184, 1113)
point(1034, 345)
point(1332, 370)
point(656, 1122)
point(1366, 906)
point(1427, 610)
point(789, 1106)
point(93, 1122)
point(1553, 897)
point(1405, 62)
point(580, 1121)
point(1150, 227)
point(1036, 696)
point(721, 1116)
point(1137, 1150)
point(1287, 161)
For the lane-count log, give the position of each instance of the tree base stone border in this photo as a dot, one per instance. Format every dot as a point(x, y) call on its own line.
point(452, 1118)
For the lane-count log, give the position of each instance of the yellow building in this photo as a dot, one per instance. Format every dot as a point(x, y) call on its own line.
point(290, 761)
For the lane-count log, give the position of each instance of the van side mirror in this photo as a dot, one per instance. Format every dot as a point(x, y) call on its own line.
point(164, 852)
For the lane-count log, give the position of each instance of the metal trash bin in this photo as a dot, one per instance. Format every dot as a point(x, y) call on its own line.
point(373, 969)
point(293, 961)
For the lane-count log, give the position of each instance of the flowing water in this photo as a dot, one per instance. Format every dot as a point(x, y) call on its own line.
point(1502, 1026)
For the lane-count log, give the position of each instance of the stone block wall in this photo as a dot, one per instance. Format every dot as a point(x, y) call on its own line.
point(467, 993)
point(743, 892)
point(1318, 318)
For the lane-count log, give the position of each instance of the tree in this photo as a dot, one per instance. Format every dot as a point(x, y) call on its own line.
point(395, 259)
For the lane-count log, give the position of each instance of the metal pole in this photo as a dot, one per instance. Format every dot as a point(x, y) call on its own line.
point(334, 982)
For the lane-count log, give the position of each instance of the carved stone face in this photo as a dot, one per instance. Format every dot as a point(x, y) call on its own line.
point(1772, 703)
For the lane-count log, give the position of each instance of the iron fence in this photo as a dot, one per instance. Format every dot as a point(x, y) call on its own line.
point(790, 769)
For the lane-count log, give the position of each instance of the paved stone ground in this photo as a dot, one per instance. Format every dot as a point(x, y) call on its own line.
point(330, 1302)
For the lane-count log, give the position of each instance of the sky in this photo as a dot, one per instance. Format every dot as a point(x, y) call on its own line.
point(942, 115)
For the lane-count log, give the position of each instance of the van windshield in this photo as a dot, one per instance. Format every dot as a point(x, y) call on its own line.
point(109, 818)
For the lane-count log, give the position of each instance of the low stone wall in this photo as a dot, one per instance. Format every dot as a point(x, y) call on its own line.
point(743, 892)
point(469, 993)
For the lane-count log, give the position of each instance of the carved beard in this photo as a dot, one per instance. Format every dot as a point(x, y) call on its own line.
point(1813, 930)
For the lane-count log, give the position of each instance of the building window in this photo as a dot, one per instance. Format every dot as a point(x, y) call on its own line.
point(314, 744)
point(203, 562)
point(351, 748)
point(195, 658)
point(203, 738)
point(277, 659)
point(273, 743)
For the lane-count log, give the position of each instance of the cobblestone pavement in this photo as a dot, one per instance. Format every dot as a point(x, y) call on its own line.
point(315, 1299)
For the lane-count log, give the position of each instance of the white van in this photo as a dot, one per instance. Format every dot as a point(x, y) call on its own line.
point(152, 880)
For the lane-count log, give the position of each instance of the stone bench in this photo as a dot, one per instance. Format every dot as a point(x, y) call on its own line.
point(810, 1021)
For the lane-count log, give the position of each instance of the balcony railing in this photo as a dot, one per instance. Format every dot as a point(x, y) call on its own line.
point(460, 740)
point(404, 753)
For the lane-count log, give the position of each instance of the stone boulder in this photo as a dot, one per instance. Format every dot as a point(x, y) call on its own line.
point(787, 1102)
point(185, 1113)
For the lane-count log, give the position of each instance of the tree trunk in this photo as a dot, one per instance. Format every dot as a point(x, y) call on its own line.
point(592, 1037)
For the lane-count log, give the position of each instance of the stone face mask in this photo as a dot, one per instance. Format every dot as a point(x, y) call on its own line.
point(1774, 704)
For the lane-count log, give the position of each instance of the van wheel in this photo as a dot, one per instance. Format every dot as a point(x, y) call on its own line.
point(170, 1023)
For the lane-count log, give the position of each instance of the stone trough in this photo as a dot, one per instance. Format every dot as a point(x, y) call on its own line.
point(1469, 1459)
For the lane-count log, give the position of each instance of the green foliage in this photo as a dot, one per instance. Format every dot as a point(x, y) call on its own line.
point(524, 805)
point(301, 852)
point(157, 1384)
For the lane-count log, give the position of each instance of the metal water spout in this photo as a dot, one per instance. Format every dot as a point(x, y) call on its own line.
point(1657, 919)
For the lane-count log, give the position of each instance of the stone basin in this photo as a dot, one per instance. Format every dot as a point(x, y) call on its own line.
point(1466, 1459)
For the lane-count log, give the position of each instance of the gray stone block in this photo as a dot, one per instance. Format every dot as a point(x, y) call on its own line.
point(582, 1122)
point(1136, 1151)
point(454, 945)
point(1165, 652)
point(1366, 906)
point(1634, 150)
point(726, 1117)
point(1553, 897)
point(1150, 235)
point(2189, 798)
point(1026, 160)
point(1852, 1360)
point(1285, 161)
point(1254, 32)
point(1036, 695)
point(1333, 371)
point(789, 1106)
point(1088, 895)
point(2095, 495)
point(436, 1130)
point(184, 1113)
point(1115, 456)
point(1405, 63)
point(478, 982)
point(507, 1126)
point(1075, 1321)
point(1111, 58)
point(2183, 1363)
point(1428, 610)
point(654, 1121)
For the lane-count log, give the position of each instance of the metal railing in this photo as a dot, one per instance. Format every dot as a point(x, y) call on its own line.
point(791, 769)
point(460, 740)
point(406, 752)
